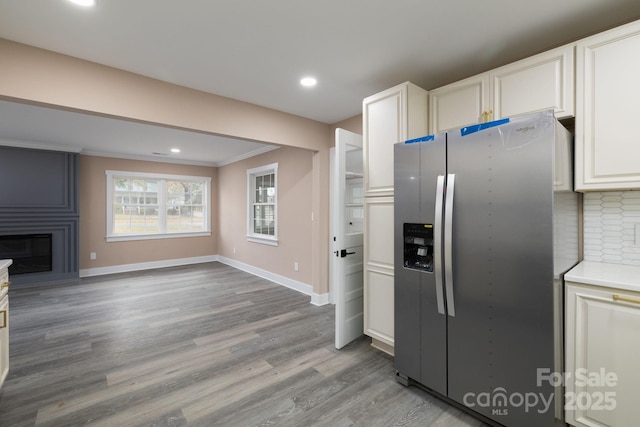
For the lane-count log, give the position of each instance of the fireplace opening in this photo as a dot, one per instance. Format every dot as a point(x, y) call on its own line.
point(31, 253)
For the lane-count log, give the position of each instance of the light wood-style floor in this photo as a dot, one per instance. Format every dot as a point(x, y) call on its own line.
point(204, 345)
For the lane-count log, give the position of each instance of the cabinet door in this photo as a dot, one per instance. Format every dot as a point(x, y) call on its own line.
point(389, 117)
point(607, 105)
point(378, 269)
point(603, 379)
point(4, 282)
point(459, 104)
point(537, 83)
point(4, 338)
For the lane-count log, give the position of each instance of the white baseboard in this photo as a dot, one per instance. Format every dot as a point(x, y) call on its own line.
point(320, 299)
point(316, 299)
point(125, 268)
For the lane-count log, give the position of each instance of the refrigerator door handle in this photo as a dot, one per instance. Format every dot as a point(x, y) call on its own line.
point(448, 246)
point(437, 243)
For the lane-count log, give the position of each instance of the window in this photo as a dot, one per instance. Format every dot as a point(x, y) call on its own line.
point(262, 201)
point(146, 206)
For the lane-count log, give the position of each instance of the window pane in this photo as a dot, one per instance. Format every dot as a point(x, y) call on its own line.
point(269, 212)
point(135, 209)
point(185, 210)
point(264, 219)
point(265, 189)
point(262, 201)
point(129, 219)
point(185, 218)
point(136, 205)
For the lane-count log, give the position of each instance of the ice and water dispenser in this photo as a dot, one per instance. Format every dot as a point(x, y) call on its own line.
point(418, 246)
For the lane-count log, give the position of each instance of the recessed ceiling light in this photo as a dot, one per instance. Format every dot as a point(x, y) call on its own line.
point(308, 82)
point(85, 3)
point(175, 150)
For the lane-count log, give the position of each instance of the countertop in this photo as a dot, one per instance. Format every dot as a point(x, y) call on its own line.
point(619, 276)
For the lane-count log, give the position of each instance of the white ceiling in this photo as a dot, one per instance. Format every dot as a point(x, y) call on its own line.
point(256, 51)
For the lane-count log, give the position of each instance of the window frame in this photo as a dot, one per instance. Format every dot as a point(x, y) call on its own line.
point(252, 174)
point(162, 205)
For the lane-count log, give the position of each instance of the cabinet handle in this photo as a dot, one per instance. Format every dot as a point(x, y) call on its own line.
point(4, 319)
point(487, 116)
point(5, 285)
point(617, 297)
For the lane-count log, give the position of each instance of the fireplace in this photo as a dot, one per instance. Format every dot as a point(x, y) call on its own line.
point(31, 253)
point(39, 214)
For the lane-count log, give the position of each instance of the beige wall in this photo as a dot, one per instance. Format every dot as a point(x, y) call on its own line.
point(93, 211)
point(354, 124)
point(33, 75)
point(295, 234)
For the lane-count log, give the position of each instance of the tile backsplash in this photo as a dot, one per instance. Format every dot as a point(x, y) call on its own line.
point(611, 221)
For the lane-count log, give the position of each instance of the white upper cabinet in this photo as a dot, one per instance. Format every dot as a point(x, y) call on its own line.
point(459, 104)
point(391, 116)
point(608, 108)
point(537, 83)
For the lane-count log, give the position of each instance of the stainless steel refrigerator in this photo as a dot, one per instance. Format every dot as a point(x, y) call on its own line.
point(486, 223)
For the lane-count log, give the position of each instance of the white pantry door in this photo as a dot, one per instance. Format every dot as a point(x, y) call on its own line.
point(347, 210)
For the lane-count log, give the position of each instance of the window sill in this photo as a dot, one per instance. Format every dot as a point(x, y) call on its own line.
point(131, 237)
point(263, 240)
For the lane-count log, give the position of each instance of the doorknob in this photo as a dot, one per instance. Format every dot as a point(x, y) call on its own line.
point(344, 253)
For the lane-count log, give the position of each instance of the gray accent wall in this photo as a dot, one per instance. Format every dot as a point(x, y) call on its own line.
point(39, 194)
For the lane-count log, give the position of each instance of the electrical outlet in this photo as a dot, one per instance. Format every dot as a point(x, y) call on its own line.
point(92, 255)
point(295, 266)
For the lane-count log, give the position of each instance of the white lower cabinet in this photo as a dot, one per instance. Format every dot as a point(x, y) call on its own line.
point(602, 356)
point(4, 320)
point(378, 272)
point(379, 322)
